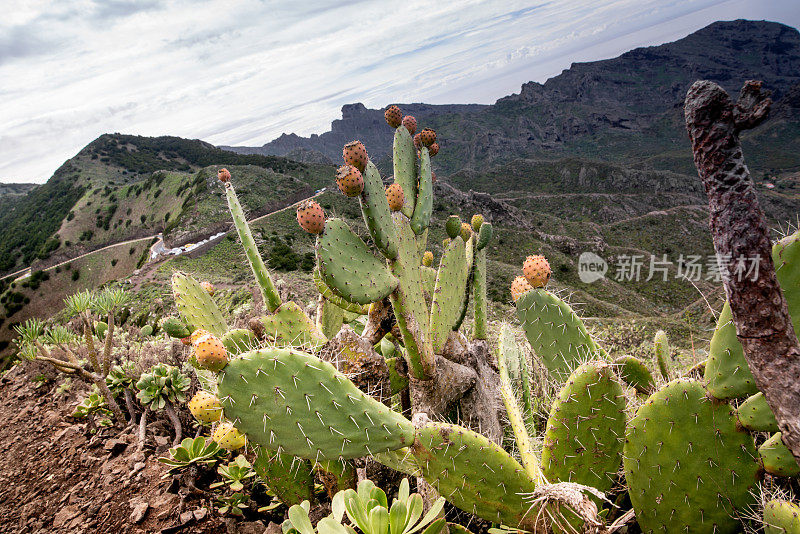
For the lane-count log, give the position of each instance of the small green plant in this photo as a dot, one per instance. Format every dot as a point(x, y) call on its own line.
point(160, 388)
point(235, 474)
point(234, 504)
point(92, 406)
point(191, 452)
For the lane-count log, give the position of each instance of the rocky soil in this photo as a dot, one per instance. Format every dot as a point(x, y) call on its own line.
point(57, 477)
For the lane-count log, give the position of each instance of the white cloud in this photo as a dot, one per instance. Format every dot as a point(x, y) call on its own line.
point(245, 71)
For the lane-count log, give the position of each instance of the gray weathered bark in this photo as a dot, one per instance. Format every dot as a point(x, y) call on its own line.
point(739, 230)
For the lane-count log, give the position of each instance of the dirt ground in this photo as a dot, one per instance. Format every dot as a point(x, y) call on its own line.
point(57, 477)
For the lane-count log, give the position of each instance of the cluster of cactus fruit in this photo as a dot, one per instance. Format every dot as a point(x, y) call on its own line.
point(688, 457)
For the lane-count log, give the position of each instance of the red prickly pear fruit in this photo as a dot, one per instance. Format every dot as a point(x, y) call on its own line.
point(210, 353)
point(433, 149)
point(355, 154)
point(393, 116)
point(518, 287)
point(417, 143)
point(349, 180)
point(427, 136)
point(410, 123)
point(466, 231)
point(208, 287)
point(395, 197)
point(224, 176)
point(311, 217)
point(186, 340)
point(536, 270)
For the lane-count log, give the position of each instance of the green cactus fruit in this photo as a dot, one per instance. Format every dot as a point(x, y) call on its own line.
point(205, 407)
point(451, 284)
point(397, 381)
point(349, 268)
point(781, 517)
point(585, 431)
point(484, 236)
point(474, 474)
point(633, 372)
point(328, 294)
point(268, 291)
point(423, 208)
point(195, 305)
point(291, 479)
point(427, 258)
point(476, 222)
point(661, 344)
point(466, 232)
point(100, 329)
point(777, 458)
point(239, 340)
point(688, 465)
point(727, 374)
point(453, 226)
point(508, 356)
point(298, 404)
point(290, 326)
point(554, 332)
point(405, 166)
point(755, 414)
point(176, 328)
point(146, 331)
point(480, 329)
point(377, 213)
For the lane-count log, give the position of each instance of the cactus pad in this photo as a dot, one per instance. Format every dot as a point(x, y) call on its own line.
point(405, 165)
point(781, 517)
point(375, 208)
point(290, 325)
point(485, 234)
point(777, 458)
point(554, 332)
point(298, 404)
point(661, 345)
point(348, 267)
point(195, 305)
point(633, 372)
point(689, 468)
point(239, 340)
point(586, 428)
point(424, 204)
point(448, 296)
point(329, 295)
point(756, 415)
point(474, 474)
point(291, 479)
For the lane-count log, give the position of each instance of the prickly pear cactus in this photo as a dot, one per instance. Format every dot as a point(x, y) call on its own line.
point(755, 414)
point(291, 479)
point(777, 459)
point(585, 432)
point(196, 306)
point(633, 372)
point(554, 332)
point(661, 346)
point(689, 466)
point(293, 402)
point(474, 474)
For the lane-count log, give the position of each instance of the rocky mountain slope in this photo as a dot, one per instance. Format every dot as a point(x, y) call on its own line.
point(626, 109)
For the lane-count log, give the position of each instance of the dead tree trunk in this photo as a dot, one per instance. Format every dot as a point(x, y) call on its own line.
point(739, 230)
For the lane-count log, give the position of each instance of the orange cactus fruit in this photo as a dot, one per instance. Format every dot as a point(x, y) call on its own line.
point(311, 217)
point(536, 270)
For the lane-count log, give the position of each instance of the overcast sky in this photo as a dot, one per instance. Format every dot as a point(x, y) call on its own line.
point(241, 72)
